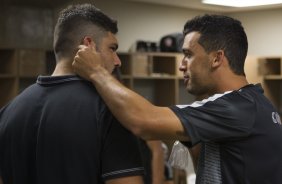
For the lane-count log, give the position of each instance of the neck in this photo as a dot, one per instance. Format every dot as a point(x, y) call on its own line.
point(63, 68)
point(231, 83)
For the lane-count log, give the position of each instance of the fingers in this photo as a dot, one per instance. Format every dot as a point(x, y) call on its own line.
point(84, 48)
point(87, 61)
point(78, 57)
point(81, 47)
point(75, 63)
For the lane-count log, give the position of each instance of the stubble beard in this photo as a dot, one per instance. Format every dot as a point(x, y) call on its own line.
point(197, 89)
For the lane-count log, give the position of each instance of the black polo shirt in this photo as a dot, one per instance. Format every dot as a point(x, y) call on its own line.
point(60, 131)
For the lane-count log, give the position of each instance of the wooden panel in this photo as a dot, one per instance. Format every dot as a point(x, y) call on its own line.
point(164, 65)
point(31, 63)
point(273, 92)
point(252, 70)
point(141, 65)
point(26, 27)
point(8, 90)
point(270, 76)
point(145, 88)
point(125, 59)
point(270, 66)
point(8, 62)
point(165, 93)
point(25, 82)
point(50, 62)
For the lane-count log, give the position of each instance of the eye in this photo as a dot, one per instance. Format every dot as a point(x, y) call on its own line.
point(187, 55)
point(114, 48)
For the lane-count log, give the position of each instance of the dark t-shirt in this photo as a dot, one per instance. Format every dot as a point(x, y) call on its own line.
point(147, 161)
point(60, 131)
point(241, 136)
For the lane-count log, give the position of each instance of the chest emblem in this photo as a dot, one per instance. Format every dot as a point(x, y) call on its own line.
point(276, 118)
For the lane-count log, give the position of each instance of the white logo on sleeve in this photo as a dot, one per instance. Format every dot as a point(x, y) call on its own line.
point(276, 118)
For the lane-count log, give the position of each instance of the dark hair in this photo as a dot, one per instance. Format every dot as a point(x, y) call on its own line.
point(77, 21)
point(221, 32)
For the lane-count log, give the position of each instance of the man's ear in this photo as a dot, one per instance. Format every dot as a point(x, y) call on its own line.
point(87, 41)
point(218, 58)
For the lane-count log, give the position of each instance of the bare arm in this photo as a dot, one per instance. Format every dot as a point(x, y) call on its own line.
point(157, 164)
point(1, 181)
point(132, 110)
point(126, 180)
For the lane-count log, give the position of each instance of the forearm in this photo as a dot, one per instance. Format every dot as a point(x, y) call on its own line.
point(123, 103)
point(132, 110)
point(126, 180)
point(135, 112)
point(117, 96)
point(157, 163)
point(1, 181)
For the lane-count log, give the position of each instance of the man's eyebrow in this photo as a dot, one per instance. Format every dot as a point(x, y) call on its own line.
point(184, 50)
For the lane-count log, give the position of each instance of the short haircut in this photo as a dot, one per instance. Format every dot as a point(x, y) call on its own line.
point(218, 32)
point(77, 21)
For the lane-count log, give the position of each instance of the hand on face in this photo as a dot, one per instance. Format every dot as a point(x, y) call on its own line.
point(87, 61)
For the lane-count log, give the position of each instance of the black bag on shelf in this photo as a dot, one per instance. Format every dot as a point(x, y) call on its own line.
point(172, 43)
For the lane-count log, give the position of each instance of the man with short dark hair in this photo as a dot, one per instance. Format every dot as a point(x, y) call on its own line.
point(239, 130)
point(59, 130)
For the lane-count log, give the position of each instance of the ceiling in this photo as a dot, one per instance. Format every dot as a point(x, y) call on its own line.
point(196, 4)
point(192, 4)
point(34, 3)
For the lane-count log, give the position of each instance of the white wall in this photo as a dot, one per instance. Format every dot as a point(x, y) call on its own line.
point(264, 30)
point(139, 21)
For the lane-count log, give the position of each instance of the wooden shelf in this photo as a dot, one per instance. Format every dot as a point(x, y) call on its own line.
point(270, 66)
point(4, 76)
point(142, 72)
point(19, 68)
point(9, 89)
point(273, 77)
point(271, 70)
point(125, 76)
point(155, 76)
point(8, 62)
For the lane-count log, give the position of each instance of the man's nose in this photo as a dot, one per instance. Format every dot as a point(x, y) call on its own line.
point(117, 61)
point(183, 65)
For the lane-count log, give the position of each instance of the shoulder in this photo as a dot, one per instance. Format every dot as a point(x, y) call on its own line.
point(231, 106)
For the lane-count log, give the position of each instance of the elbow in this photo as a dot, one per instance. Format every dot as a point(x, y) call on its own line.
point(139, 129)
point(144, 134)
point(140, 124)
point(140, 132)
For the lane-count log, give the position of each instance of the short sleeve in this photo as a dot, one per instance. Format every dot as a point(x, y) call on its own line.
point(221, 118)
point(121, 155)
